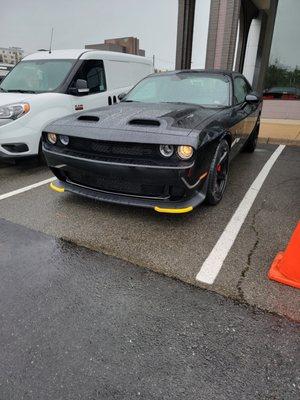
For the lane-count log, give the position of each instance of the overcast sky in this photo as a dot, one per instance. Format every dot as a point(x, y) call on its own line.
point(28, 23)
point(285, 45)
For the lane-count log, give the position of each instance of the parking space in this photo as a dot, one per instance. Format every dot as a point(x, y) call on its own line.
point(178, 246)
point(23, 173)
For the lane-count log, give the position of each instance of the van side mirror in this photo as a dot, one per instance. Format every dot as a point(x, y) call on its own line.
point(82, 86)
point(80, 89)
point(252, 98)
point(121, 96)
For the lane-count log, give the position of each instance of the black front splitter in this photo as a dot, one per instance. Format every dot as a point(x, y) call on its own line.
point(159, 205)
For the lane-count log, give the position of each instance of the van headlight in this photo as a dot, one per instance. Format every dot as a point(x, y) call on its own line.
point(52, 138)
point(14, 111)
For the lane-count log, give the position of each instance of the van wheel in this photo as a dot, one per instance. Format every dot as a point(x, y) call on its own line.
point(218, 174)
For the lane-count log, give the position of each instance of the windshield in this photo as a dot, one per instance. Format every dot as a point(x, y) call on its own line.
point(195, 88)
point(36, 76)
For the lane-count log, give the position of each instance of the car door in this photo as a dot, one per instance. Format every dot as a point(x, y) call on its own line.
point(91, 71)
point(237, 117)
point(241, 129)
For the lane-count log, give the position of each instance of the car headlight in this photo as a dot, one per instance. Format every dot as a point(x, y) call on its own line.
point(14, 111)
point(185, 152)
point(166, 150)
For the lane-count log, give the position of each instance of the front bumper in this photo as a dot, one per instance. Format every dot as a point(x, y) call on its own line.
point(169, 207)
point(173, 195)
point(14, 134)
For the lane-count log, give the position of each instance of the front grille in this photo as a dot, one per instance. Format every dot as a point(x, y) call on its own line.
point(118, 185)
point(114, 149)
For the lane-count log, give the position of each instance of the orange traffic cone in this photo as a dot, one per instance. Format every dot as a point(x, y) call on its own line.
point(286, 266)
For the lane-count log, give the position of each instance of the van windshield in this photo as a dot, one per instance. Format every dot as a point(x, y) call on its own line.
point(37, 76)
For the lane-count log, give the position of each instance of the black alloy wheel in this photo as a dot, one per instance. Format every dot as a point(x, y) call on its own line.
point(218, 174)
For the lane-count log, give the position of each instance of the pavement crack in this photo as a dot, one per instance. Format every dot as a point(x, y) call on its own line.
point(288, 180)
point(249, 256)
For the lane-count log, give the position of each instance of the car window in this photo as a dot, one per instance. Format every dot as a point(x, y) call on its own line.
point(241, 89)
point(92, 71)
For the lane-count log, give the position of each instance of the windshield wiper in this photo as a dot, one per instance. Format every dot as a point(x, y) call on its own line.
point(183, 103)
point(20, 91)
point(215, 106)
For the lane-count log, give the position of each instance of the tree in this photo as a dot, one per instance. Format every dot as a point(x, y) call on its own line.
point(279, 75)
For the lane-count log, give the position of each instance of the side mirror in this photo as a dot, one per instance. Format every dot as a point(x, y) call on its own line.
point(80, 89)
point(252, 98)
point(82, 86)
point(121, 96)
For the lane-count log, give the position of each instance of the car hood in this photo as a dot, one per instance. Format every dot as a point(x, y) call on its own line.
point(9, 98)
point(166, 123)
point(162, 118)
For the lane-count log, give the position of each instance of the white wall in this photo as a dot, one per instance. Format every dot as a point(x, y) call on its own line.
point(251, 49)
point(236, 45)
point(200, 33)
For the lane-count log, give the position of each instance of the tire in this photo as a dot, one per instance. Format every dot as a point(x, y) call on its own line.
point(251, 144)
point(218, 174)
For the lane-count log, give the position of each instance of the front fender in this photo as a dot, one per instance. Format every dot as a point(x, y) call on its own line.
point(208, 141)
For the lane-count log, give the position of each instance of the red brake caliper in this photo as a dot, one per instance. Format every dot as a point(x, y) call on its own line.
point(219, 168)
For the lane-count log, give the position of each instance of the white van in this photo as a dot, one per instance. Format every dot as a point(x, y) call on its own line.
point(45, 86)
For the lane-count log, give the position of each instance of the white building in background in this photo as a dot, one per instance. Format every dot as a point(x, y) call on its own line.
point(11, 55)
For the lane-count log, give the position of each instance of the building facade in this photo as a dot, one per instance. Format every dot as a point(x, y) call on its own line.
point(283, 74)
point(11, 55)
point(128, 45)
point(239, 36)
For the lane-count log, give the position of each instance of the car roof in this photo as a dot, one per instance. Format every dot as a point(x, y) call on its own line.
point(204, 71)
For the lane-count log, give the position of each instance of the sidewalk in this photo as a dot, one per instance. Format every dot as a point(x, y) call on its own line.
point(280, 122)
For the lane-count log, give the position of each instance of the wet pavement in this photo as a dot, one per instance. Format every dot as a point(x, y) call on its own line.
point(177, 246)
point(77, 324)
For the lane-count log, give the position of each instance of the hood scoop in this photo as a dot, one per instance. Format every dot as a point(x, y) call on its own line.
point(144, 122)
point(89, 118)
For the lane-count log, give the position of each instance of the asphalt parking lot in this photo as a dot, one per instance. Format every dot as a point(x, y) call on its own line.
point(76, 324)
point(81, 319)
point(177, 246)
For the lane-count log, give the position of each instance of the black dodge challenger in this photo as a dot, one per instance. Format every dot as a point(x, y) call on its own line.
point(165, 146)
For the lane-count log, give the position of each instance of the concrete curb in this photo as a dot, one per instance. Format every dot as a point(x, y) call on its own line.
point(270, 140)
point(280, 131)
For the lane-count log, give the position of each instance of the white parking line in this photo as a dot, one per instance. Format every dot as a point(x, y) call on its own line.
point(25, 189)
point(213, 264)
